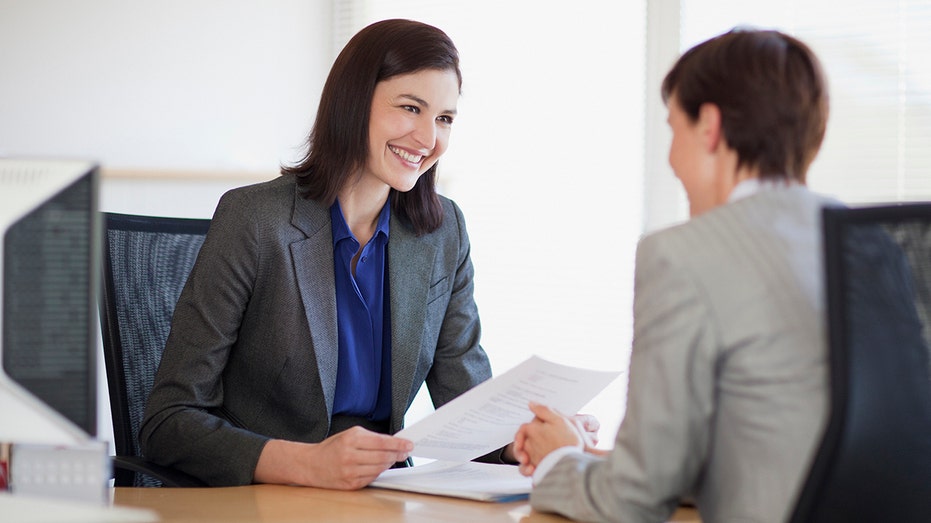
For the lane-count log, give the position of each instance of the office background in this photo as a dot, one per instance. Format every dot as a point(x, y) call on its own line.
point(180, 100)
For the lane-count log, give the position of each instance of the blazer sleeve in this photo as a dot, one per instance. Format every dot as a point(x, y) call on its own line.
point(664, 437)
point(184, 426)
point(459, 362)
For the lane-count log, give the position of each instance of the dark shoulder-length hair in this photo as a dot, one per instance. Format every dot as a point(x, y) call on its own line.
point(771, 91)
point(337, 147)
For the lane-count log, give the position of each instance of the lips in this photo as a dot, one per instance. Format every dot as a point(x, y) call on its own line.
point(406, 156)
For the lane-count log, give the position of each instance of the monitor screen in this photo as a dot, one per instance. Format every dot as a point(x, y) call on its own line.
point(50, 251)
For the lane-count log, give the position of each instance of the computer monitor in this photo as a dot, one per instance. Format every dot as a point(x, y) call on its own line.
point(49, 269)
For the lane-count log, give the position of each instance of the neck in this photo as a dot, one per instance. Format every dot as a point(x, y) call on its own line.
point(729, 174)
point(361, 210)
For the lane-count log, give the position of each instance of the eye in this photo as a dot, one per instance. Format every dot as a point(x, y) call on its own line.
point(411, 109)
point(446, 119)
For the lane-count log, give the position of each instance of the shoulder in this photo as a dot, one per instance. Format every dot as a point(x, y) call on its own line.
point(262, 210)
point(452, 228)
point(279, 188)
point(451, 213)
point(271, 201)
point(793, 208)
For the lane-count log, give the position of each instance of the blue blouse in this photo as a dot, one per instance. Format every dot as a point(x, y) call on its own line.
point(363, 376)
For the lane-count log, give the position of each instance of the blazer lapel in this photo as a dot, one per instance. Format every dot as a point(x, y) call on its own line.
point(410, 268)
point(313, 263)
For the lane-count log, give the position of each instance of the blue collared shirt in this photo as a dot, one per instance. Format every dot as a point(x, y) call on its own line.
point(363, 376)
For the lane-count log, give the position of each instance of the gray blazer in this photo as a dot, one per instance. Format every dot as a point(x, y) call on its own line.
point(728, 393)
point(252, 353)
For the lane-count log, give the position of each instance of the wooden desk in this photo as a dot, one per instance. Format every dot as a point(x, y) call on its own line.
point(282, 504)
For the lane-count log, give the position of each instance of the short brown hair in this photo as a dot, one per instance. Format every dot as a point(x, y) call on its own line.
point(771, 92)
point(338, 142)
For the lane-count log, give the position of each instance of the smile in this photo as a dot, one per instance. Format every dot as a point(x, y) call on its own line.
point(413, 158)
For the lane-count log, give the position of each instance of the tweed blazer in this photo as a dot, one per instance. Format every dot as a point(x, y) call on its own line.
point(728, 388)
point(252, 353)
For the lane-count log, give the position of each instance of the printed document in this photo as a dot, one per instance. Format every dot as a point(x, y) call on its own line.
point(485, 419)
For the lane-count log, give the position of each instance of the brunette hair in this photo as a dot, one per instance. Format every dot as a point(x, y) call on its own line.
point(771, 92)
point(338, 143)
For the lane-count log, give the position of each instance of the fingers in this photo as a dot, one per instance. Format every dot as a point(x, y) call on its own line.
point(587, 426)
point(544, 413)
point(589, 423)
point(379, 447)
point(520, 453)
point(524, 464)
point(526, 469)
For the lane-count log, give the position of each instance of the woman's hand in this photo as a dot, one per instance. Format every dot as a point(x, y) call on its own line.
point(349, 460)
point(588, 427)
point(550, 430)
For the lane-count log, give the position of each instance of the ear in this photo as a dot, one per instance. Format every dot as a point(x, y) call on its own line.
point(709, 123)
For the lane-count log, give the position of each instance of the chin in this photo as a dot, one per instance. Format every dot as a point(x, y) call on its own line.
point(403, 187)
point(406, 184)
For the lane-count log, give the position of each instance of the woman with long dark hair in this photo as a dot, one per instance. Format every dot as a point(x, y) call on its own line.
point(322, 300)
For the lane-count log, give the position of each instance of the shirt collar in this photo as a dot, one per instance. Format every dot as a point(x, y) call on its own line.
point(341, 229)
point(751, 186)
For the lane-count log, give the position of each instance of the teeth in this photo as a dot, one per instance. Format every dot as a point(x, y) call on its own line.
point(413, 158)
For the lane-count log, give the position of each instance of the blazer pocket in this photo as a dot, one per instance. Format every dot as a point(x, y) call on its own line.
point(437, 290)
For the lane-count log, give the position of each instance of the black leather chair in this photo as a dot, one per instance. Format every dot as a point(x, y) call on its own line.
point(146, 261)
point(874, 463)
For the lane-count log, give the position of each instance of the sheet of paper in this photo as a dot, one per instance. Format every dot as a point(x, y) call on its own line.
point(487, 417)
point(470, 480)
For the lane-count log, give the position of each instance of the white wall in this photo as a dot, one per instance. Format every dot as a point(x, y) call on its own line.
point(546, 158)
point(214, 86)
point(215, 93)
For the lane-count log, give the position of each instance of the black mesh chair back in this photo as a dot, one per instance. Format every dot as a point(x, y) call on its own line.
point(146, 262)
point(874, 463)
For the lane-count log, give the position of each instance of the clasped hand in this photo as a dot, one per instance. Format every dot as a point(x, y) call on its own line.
point(550, 430)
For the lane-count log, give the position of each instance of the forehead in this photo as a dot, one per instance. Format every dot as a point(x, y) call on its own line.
point(440, 86)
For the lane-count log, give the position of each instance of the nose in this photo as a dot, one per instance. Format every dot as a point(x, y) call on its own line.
point(425, 133)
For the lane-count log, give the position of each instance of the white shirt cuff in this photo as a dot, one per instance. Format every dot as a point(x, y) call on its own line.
point(549, 461)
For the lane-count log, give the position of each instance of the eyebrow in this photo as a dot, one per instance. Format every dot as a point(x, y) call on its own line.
point(424, 103)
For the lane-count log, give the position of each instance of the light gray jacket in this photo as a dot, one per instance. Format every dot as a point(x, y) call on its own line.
point(252, 353)
point(728, 379)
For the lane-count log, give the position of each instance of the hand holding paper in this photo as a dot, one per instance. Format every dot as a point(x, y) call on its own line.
point(487, 417)
point(484, 419)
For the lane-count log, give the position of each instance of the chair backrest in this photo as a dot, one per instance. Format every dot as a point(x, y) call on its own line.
point(146, 262)
point(874, 463)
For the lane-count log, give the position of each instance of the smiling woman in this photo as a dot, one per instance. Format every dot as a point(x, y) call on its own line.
point(547, 163)
point(303, 333)
point(411, 120)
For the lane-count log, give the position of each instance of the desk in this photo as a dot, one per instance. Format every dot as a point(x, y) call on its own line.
point(282, 504)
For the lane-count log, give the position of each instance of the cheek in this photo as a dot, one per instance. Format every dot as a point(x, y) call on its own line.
point(439, 147)
point(443, 136)
point(385, 127)
point(442, 143)
point(675, 151)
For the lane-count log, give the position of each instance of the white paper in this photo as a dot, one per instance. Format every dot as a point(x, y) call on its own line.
point(470, 480)
point(486, 417)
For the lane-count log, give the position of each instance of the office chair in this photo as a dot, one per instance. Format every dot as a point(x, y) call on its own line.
point(874, 462)
point(146, 261)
